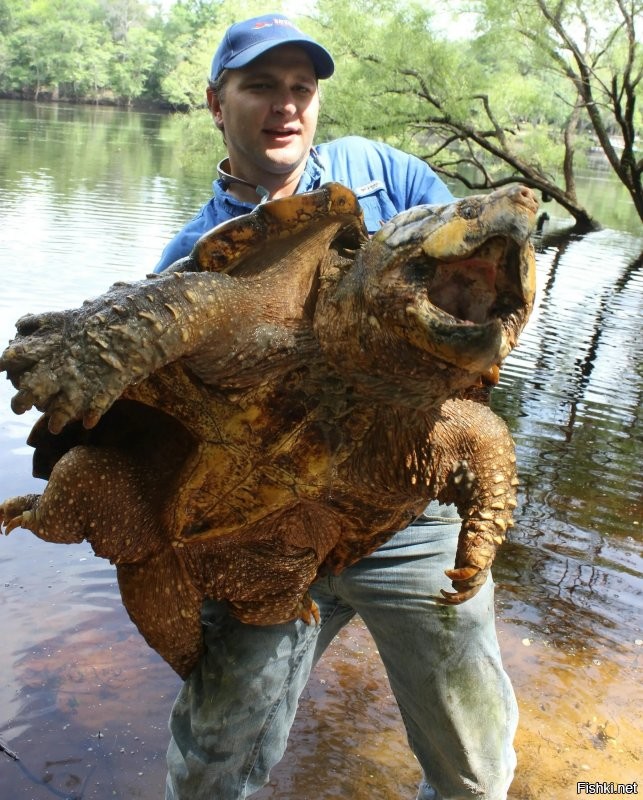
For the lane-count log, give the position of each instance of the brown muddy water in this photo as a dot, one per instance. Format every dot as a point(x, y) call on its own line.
point(89, 196)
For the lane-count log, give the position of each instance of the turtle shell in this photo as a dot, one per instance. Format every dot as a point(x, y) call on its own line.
point(279, 404)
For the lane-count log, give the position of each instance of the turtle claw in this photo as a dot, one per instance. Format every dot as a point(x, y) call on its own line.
point(467, 581)
point(17, 513)
point(91, 418)
point(462, 574)
point(22, 401)
point(16, 522)
point(455, 598)
point(57, 422)
point(308, 610)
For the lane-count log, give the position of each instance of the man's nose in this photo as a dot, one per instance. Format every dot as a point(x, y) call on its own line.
point(285, 104)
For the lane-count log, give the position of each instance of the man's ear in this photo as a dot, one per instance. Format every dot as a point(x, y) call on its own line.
point(214, 104)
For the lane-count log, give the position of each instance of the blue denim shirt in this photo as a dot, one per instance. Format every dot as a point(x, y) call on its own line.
point(385, 180)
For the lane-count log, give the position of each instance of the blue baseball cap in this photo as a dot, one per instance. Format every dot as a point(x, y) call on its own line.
point(247, 40)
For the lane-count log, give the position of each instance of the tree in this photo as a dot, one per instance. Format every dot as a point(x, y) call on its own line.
point(183, 54)
point(592, 45)
point(486, 109)
point(133, 62)
point(192, 31)
point(54, 47)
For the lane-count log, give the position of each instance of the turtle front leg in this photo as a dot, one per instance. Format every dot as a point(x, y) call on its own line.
point(74, 364)
point(482, 484)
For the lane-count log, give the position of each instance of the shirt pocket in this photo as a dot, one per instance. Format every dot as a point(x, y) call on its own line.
point(376, 204)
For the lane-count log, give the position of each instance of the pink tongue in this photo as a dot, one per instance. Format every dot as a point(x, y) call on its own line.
point(465, 289)
point(483, 269)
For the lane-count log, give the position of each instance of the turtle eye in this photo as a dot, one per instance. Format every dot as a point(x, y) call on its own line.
point(469, 211)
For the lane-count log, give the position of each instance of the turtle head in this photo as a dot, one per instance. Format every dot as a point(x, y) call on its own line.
point(443, 288)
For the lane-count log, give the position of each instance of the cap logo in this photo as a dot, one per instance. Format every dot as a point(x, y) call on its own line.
point(283, 22)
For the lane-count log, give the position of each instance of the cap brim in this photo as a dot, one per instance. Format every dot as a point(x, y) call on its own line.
point(321, 58)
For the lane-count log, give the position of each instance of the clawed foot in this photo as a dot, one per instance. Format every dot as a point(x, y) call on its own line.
point(60, 371)
point(308, 610)
point(17, 513)
point(467, 582)
point(74, 364)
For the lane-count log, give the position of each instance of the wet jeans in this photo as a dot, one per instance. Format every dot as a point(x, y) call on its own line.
point(231, 720)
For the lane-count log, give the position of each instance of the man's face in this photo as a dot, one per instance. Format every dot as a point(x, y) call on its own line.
point(268, 111)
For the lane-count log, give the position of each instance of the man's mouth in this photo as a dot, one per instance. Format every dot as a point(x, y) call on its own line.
point(281, 133)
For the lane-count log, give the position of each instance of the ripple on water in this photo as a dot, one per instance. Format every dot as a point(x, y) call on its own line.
point(82, 694)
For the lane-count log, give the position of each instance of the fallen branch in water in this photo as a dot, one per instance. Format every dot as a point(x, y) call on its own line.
point(10, 753)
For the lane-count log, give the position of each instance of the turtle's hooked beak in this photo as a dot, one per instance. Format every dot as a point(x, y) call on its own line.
point(469, 269)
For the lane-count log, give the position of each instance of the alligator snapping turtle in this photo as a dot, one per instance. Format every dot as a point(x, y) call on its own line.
point(281, 402)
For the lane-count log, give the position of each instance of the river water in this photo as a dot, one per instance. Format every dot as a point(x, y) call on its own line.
point(89, 196)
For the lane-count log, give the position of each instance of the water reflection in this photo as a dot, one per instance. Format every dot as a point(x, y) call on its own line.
point(90, 196)
point(572, 391)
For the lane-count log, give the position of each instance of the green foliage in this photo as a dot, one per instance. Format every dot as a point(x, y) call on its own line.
point(196, 143)
point(399, 80)
point(102, 50)
point(182, 58)
point(501, 99)
point(52, 45)
point(372, 41)
point(184, 84)
point(192, 33)
point(132, 63)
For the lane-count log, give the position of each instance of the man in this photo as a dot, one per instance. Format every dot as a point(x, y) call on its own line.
point(231, 721)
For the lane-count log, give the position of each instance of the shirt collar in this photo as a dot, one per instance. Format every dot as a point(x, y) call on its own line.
point(228, 203)
point(233, 207)
point(311, 176)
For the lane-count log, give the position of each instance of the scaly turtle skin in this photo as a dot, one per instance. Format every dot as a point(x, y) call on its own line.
point(278, 405)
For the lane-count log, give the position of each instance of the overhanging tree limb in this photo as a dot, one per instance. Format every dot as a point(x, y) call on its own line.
point(494, 142)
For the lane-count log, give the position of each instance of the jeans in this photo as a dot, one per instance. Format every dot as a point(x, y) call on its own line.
point(231, 720)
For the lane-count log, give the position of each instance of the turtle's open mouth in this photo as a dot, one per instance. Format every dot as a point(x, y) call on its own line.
point(483, 286)
point(471, 307)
